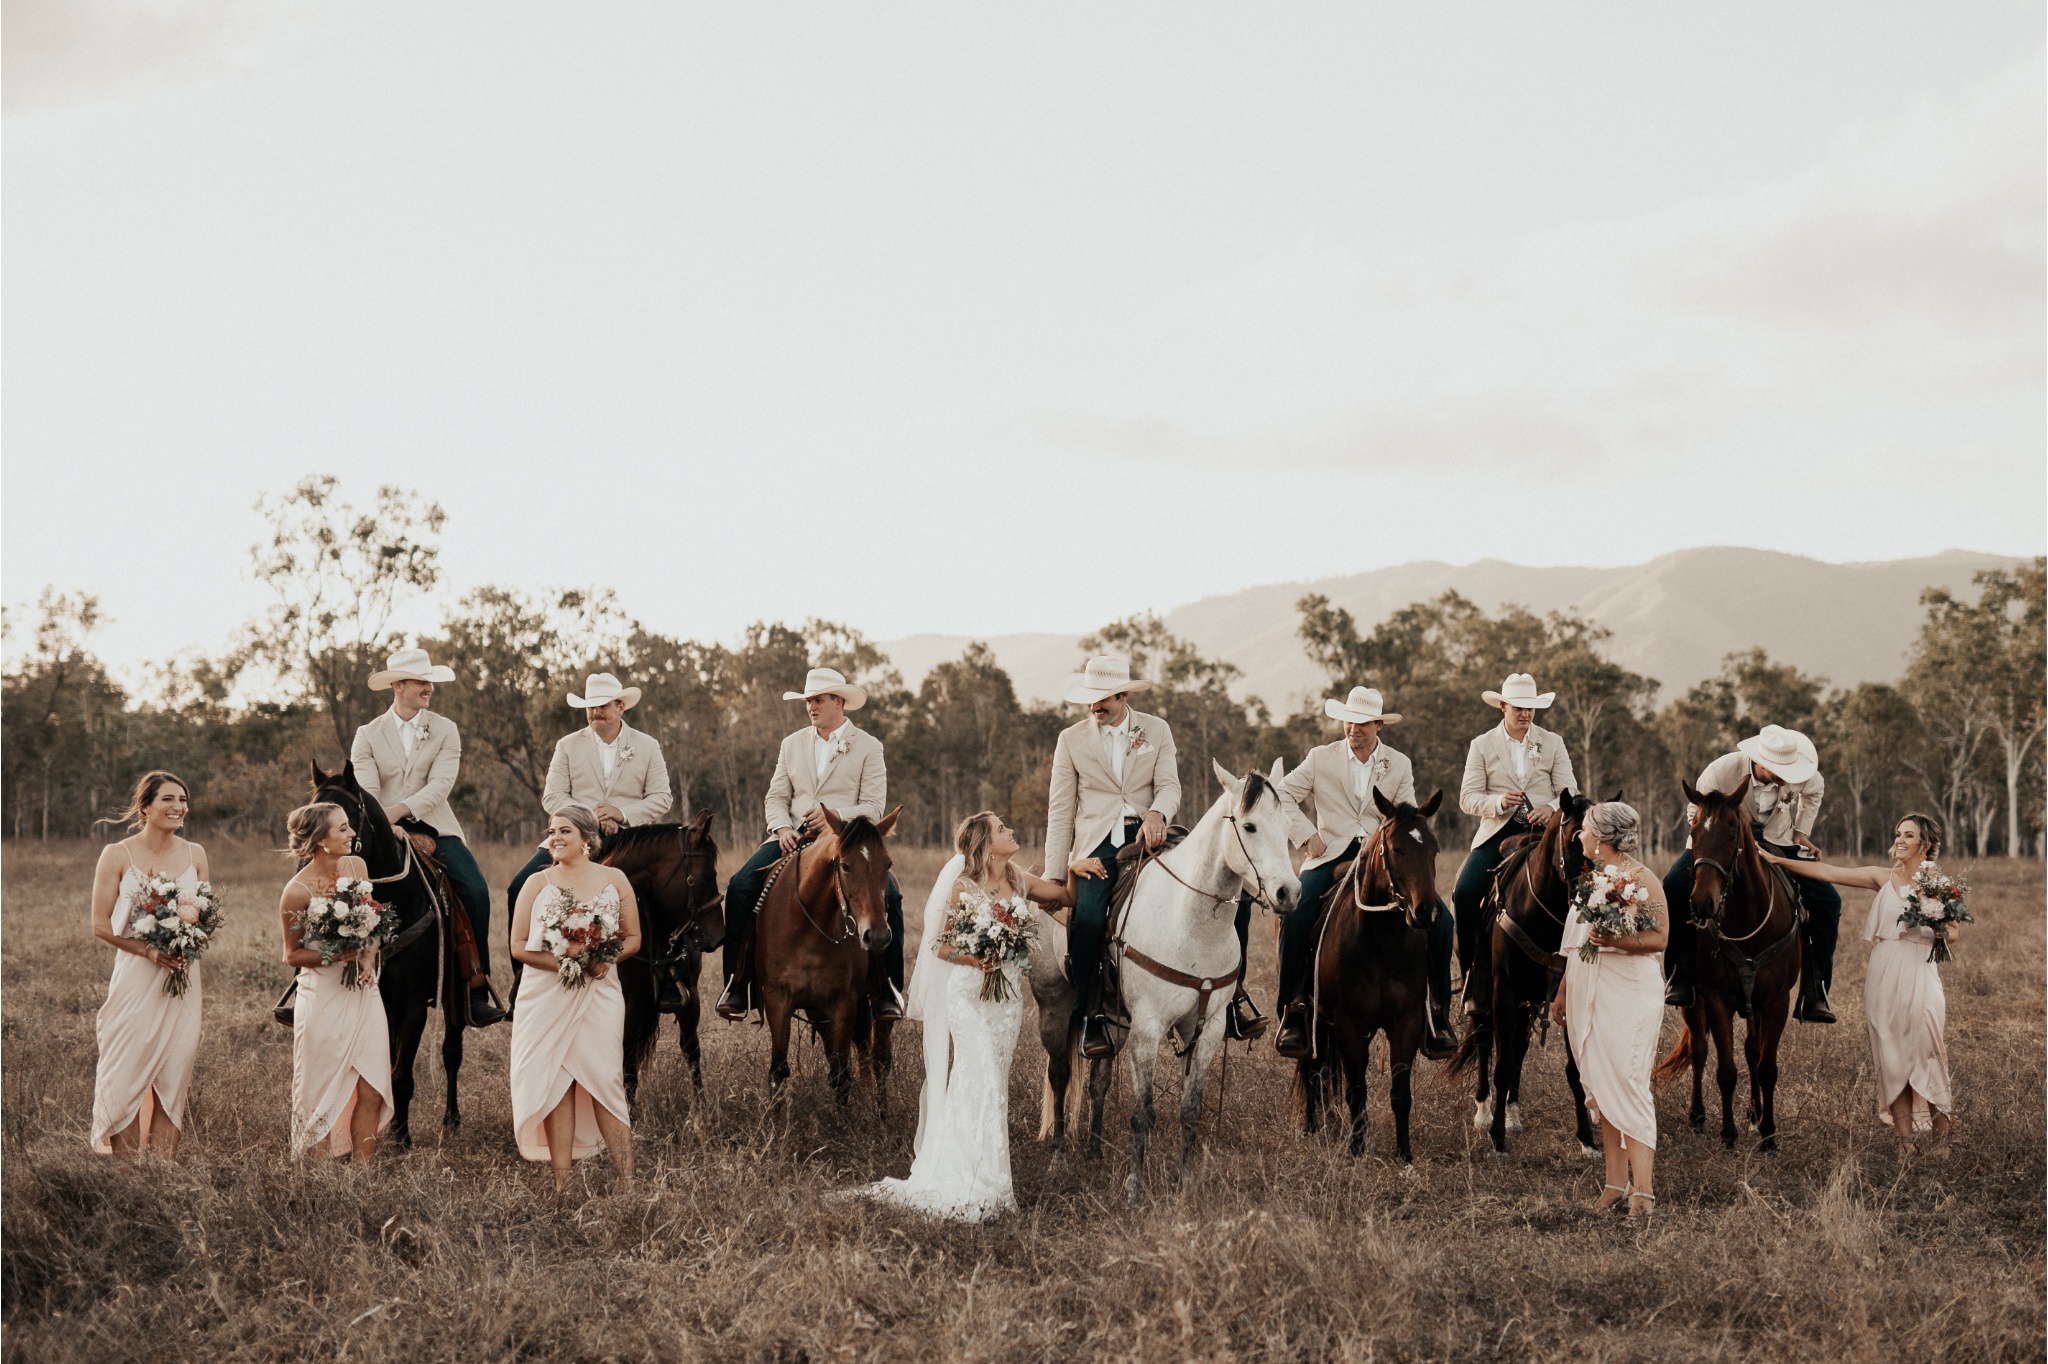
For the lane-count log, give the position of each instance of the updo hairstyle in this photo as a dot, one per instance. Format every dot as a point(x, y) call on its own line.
point(1618, 825)
point(1930, 831)
point(307, 825)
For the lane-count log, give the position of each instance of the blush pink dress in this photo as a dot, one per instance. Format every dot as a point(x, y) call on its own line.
point(148, 1040)
point(339, 1036)
point(1613, 1008)
point(1906, 1010)
point(564, 1033)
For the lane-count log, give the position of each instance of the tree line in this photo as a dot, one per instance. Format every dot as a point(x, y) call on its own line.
point(1960, 732)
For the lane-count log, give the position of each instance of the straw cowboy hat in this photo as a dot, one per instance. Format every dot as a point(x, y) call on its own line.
point(602, 689)
point(410, 665)
point(1788, 754)
point(829, 682)
point(1519, 690)
point(1104, 676)
point(1362, 707)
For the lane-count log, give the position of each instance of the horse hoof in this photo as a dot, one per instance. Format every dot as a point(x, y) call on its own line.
point(1699, 1126)
point(1514, 1119)
point(1482, 1115)
point(1586, 1150)
point(1500, 1153)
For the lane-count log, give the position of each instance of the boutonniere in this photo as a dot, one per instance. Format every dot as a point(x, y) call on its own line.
point(625, 755)
point(1137, 741)
point(844, 746)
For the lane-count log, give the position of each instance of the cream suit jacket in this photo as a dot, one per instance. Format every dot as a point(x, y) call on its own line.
point(1490, 774)
point(1782, 810)
point(421, 782)
point(856, 781)
point(1318, 797)
point(1087, 800)
point(638, 785)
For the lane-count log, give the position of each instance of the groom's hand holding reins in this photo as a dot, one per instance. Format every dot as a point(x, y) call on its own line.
point(1153, 831)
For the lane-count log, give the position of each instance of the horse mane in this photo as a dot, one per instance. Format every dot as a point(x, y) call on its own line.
point(633, 835)
point(859, 831)
point(1255, 785)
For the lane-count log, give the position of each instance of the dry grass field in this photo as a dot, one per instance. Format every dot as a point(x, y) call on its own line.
point(1279, 1247)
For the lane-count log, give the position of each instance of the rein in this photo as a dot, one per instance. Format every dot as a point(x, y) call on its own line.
point(796, 893)
point(1748, 966)
point(417, 929)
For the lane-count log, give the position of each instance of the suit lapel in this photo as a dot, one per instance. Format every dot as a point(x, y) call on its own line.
point(384, 736)
point(1088, 739)
point(832, 759)
point(618, 760)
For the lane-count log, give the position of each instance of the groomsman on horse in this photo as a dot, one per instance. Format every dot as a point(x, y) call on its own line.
point(1514, 776)
point(407, 760)
point(1782, 802)
point(609, 768)
point(1331, 812)
point(830, 764)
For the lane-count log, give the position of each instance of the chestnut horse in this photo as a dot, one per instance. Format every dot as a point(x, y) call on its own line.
point(1518, 968)
point(674, 872)
point(1372, 968)
point(821, 917)
point(1747, 916)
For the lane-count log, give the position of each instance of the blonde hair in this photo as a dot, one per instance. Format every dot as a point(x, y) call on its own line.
point(307, 825)
point(975, 840)
point(146, 789)
point(585, 820)
point(1929, 829)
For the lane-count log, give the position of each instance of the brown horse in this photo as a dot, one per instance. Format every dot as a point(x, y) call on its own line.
point(1747, 915)
point(674, 872)
point(821, 917)
point(1519, 968)
point(1372, 968)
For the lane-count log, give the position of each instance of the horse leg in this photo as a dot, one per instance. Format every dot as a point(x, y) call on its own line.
point(1144, 1054)
point(640, 1030)
point(451, 1066)
point(1770, 1023)
point(1206, 1044)
point(884, 1061)
point(1309, 1074)
point(405, 1050)
point(1696, 1029)
point(1060, 1044)
point(778, 1010)
point(1587, 1137)
point(1722, 1021)
point(689, 1016)
point(1511, 1036)
point(1099, 1078)
point(1402, 1097)
point(1356, 1054)
point(839, 1052)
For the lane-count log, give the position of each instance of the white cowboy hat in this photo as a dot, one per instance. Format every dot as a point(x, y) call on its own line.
point(1518, 690)
point(601, 689)
point(1362, 707)
point(830, 682)
point(1104, 676)
point(1788, 754)
point(410, 665)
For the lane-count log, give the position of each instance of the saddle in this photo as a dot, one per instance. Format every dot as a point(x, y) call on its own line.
point(1747, 967)
point(1107, 987)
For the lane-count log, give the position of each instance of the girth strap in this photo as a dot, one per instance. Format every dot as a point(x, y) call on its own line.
point(1747, 968)
point(1203, 986)
point(1553, 970)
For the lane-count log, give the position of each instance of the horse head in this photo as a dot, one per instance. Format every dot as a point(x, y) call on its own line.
point(1257, 851)
point(1567, 855)
point(376, 841)
point(852, 867)
point(1403, 852)
point(702, 901)
point(1721, 842)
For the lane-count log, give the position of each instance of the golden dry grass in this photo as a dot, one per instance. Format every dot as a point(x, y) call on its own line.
point(1280, 1247)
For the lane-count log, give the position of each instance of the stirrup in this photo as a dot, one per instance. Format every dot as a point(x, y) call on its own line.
point(725, 1008)
point(1245, 1023)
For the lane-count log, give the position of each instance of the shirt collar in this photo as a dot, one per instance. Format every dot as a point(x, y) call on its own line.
point(833, 736)
point(418, 718)
point(1512, 739)
point(1123, 726)
point(615, 740)
point(1366, 761)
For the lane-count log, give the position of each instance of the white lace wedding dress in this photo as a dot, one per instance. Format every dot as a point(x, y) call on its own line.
point(962, 1167)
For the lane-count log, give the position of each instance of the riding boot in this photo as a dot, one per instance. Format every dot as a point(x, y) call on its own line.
point(1096, 1042)
point(1441, 1043)
point(736, 1001)
point(1293, 1041)
point(1681, 990)
point(668, 997)
point(1246, 1023)
point(482, 1011)
point(1813, 998)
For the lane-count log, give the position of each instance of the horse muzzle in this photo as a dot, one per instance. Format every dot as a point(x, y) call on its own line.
point(876, 940)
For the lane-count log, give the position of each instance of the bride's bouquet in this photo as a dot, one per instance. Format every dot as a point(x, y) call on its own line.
point(1611, 903)
point(349, 919)
point(177, 922)
point(581, 934)
point(991, 930)
point(1935, 902)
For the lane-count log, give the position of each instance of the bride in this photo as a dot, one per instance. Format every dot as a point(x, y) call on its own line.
point(962, 1165)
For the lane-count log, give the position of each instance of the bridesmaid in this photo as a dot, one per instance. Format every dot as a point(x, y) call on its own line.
point(148, 1040)
point(1903, 1001)
point(341, 1042)
point(568, 1041)
point(1611, 1007)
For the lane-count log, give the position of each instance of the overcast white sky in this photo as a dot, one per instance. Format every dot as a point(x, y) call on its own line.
point(943, 318)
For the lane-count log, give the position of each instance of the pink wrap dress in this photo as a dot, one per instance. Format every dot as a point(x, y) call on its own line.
point(1906, 1010)
point(148, 1040)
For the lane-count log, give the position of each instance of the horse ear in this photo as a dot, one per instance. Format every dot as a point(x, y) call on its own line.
point(1429, 806)
point(319, 777)
point(702, 823)
point(1279, 771)
point(1735, 796)
point(1615, 797)
point(1692, 797)
point(832, 819)
point(889, 821)
point(1230, 783)
point(1386, 807)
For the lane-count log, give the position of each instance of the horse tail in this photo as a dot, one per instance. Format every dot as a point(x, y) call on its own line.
point(1471, 1047)
point(1077, 1090)
point(1680, 1057)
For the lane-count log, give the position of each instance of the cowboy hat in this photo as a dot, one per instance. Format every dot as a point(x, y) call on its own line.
point(601, 689)
point(1788, 754)
point(1104, 676)
point(1362, 707)
point(1518, 690)
point(410, 665)
point(829, 682)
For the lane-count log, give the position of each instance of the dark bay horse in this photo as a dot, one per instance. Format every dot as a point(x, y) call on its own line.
point(421, 967)
point(1518, 967)
point(674, 872)
point(1372, 969)
point(1747, 916)
point(821, 917)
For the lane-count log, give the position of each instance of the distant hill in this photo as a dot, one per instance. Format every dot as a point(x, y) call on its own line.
point(1673, 618)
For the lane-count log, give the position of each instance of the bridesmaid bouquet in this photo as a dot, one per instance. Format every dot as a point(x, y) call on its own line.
point(1610, 902)
point(1935, 902)
point(581, 935)
point(174, 921)
point(1000, 931)
point(349, 920)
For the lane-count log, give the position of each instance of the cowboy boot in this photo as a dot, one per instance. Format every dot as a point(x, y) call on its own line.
point(732, 1003)
point(482, 1010)
point(668, 998)
point(1680, 990)
point(1813, 1001)
point(1096, 1042)
point(1440, 1043)
point(1245, 1023)
point(1293, 1041)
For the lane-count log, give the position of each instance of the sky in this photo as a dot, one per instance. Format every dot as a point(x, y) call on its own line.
point(979, 319)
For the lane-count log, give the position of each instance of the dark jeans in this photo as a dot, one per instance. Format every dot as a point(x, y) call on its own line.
point(1300, 926)
point(1089, 923)
point(1822, 924)
point(1474, 879)
point(743, 897)
point(470, 888)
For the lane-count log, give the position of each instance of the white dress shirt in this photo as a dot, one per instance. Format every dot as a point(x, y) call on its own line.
point(1518, 754)
point(1116, 746)
point(608, 753)
point(1361, 773)
point(822, 746)
point(408, 730)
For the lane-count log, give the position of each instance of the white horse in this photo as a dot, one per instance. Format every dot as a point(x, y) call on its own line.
point(1178, 961)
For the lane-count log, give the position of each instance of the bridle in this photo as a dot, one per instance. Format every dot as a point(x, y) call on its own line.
point(359, 820)
point(1377, 857)
point(1260, 895)
point(1713, 921)
point(1556, 861)
point(848, 925)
